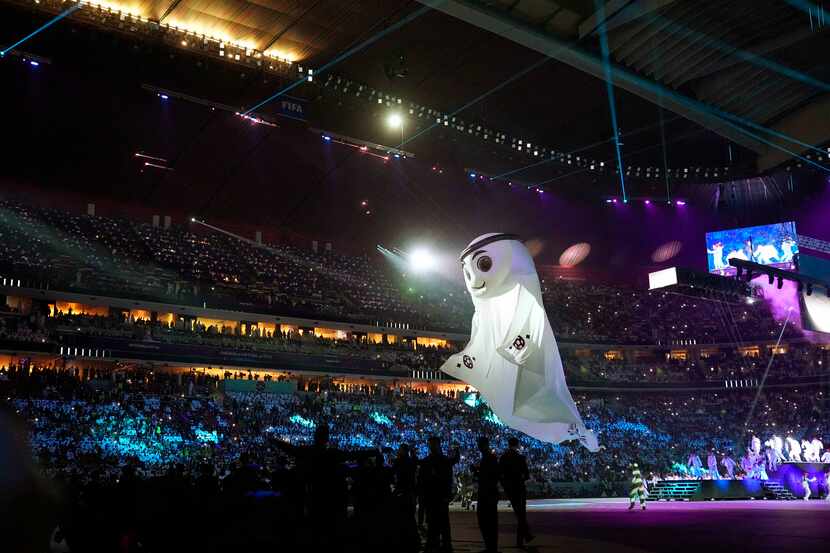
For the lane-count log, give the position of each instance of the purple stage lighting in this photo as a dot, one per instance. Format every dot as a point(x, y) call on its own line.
point(680, 202)
point(648, 202)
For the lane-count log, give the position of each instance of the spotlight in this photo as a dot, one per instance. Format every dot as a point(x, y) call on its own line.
point(394, 120)
point(163, 96)
point(680, 202)
point(648, 202)
point(193, 219)
point(472, 175)
point(421, 260)
point(34, 63)
point(327, 138)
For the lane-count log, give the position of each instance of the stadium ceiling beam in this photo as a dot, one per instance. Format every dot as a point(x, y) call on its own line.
point(761, 50)
point(808, 124)
point(173, 5)
point(567, 53)
point(622, 12)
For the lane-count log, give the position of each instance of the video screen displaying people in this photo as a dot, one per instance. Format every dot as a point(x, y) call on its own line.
point(767, 244)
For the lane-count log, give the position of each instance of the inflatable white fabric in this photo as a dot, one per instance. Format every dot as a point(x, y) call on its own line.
point(512, 358)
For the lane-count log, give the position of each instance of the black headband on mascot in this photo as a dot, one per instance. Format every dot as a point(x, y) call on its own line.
point(488, 240)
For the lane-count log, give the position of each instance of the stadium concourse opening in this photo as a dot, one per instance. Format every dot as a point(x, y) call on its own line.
point(414, 275)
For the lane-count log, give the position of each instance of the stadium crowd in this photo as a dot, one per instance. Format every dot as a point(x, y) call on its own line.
point(118, 257)
point(88, 434)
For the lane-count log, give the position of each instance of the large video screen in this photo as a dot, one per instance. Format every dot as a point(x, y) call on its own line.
point(768, 245)
point(815, 301)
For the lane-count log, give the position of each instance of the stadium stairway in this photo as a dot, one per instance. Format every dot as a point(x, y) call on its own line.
point(678, 490)
point(778, 491)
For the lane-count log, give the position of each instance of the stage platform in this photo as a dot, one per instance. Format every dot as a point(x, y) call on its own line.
point(783, 484)
point(607, 526)
point(702, 490)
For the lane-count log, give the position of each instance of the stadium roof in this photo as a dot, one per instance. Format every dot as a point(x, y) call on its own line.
point(697, 82)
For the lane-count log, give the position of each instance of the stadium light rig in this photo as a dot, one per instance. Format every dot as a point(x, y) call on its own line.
point(421, 260)
point(394, 120)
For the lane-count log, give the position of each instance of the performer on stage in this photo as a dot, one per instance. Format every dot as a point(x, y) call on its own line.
point(729, 465)
point(793, 450)
point(809, 455)
point(712, 464)
point(755, 446)
point(817, 447)
point(638, 488)
point(769, 453)
point(695, 465)
point(805, 483)
point(747, 466)
point(778, 447)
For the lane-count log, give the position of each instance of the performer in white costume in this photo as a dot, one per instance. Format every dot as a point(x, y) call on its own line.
point(512, 358)
point(695, 465)
point(717, 256)
point(810, 455)
point(729, 464)
point(817, 446)
point(825, 457)
point(755, 446)
point(793, 450)
point(769, 454)
point(712, 464)
point(778, 448)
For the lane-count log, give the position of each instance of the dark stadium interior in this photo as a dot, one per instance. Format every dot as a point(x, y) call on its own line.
point(232, 308)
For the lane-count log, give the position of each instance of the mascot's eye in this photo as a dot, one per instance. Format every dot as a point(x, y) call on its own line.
point(484, 263)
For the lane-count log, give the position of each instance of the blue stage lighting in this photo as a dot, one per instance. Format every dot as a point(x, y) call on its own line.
point(34, 63)
point(472, 175)
point(327, 138)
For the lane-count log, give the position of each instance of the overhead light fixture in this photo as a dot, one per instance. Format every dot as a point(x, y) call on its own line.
point(394, 120)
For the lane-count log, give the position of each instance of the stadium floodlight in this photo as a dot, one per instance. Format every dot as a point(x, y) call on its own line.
point(394, 120)
point(421, 260)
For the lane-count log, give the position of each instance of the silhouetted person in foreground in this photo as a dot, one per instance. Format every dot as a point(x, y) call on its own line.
point(487, 473)
point(436, 472)
point(322, 473)
point(514, 474)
